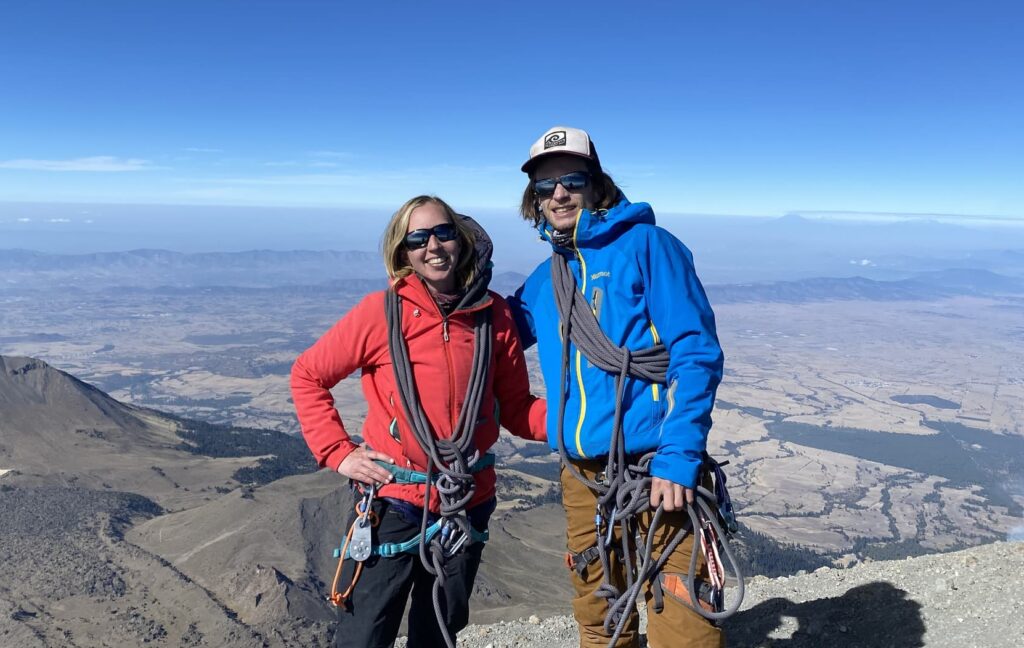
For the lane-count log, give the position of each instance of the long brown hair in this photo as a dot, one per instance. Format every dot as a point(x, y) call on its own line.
point(396, 262)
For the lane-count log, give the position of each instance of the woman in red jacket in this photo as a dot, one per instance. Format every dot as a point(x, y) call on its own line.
point(441, 367)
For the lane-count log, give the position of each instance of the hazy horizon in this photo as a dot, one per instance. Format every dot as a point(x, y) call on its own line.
point(727, 249)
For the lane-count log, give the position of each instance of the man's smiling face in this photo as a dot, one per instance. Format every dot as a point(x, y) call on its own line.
point(562, 208)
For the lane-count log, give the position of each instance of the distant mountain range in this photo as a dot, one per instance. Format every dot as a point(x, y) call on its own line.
point(356, 273)
point(924, 286)
point(149, 268)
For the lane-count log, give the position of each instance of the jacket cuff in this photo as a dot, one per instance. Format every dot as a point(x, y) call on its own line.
point(677, 468)
point(334, 459)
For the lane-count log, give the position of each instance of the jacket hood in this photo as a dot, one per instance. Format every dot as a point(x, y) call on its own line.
point(601, 226)
point(483, 249)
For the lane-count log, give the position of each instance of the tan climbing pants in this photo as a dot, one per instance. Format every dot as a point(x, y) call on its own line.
point(676, 626)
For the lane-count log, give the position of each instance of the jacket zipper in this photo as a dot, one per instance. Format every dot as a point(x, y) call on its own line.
point(452, 417)
point(451, 372)
point(579, 356)
point(655, 392)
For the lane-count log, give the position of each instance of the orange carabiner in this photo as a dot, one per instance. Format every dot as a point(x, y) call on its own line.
point(339, 599)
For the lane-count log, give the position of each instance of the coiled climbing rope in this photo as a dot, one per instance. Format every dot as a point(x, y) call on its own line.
point(453, 458)
point(624, 491)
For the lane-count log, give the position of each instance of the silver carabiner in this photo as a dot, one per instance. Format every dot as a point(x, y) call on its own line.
point(611, 526)
point(361, 543)
point(454, 547)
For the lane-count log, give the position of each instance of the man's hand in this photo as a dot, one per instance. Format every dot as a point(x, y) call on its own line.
point(674, 496)
point(359, 465)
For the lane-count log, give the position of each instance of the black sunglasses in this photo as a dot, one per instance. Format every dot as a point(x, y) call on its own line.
point(571, 181)
point(417, 239)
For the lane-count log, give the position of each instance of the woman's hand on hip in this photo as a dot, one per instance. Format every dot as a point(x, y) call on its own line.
point(360, 465)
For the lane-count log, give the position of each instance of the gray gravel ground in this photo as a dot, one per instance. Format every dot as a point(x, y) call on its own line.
point(967, 599)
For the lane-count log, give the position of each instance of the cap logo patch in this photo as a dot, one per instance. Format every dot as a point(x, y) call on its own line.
point(554, 139)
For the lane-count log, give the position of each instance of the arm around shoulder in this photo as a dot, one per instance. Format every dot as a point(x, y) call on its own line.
point(518, 305)
point(522, 413)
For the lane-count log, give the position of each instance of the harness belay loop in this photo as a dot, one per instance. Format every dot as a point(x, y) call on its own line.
point(623, 489)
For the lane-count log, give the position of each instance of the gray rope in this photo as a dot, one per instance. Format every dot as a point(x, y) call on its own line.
point(453, 458)
point(648, 364)
point(625, 490)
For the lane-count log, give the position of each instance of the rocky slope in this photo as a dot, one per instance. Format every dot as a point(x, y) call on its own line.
point(116, 531)
point(114, 534)
point(967, 599)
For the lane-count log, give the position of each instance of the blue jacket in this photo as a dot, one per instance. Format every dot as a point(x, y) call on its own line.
point(640, 281)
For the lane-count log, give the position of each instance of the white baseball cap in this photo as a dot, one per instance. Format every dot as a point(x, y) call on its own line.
point(562, 140)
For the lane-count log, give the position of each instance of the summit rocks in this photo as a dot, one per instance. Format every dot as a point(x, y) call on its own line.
point(971, 598)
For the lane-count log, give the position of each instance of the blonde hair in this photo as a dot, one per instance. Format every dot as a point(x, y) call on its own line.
point(396, 261)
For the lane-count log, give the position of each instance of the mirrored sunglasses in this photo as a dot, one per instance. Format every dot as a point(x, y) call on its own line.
point(417, 239)
point(571, 181)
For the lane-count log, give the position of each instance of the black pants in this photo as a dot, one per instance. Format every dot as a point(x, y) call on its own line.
point(374, 612)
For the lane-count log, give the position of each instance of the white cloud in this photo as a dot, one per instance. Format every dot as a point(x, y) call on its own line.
point(60, 220)
point(304, 180)
point(326, 186)
point(24, 220)
point(98, 163)
point(338, 155)
point(901, 217)
point(427, 175)
point(197, 149)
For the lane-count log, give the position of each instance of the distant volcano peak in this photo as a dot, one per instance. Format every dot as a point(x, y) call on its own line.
point(29, 385)
point(52, 411)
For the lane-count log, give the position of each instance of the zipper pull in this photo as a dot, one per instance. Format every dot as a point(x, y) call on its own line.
point(444, 327)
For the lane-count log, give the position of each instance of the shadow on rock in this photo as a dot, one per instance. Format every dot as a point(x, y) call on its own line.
point(873, 615)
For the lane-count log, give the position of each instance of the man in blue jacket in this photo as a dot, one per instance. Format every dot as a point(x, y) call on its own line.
point(638, 280)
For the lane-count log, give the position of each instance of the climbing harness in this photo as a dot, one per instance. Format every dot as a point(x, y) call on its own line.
point(391, 549)
point(451, 464)
point(410, 476)
point(623, 489)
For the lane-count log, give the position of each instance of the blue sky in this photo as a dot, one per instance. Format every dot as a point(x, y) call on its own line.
point(740, 107)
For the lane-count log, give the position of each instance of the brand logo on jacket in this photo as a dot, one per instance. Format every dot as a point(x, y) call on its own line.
point(554, 139)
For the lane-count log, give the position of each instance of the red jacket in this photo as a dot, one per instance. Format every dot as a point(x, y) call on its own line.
point(441, 369)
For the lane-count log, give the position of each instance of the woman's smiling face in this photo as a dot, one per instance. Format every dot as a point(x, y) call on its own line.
point(437, 260)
